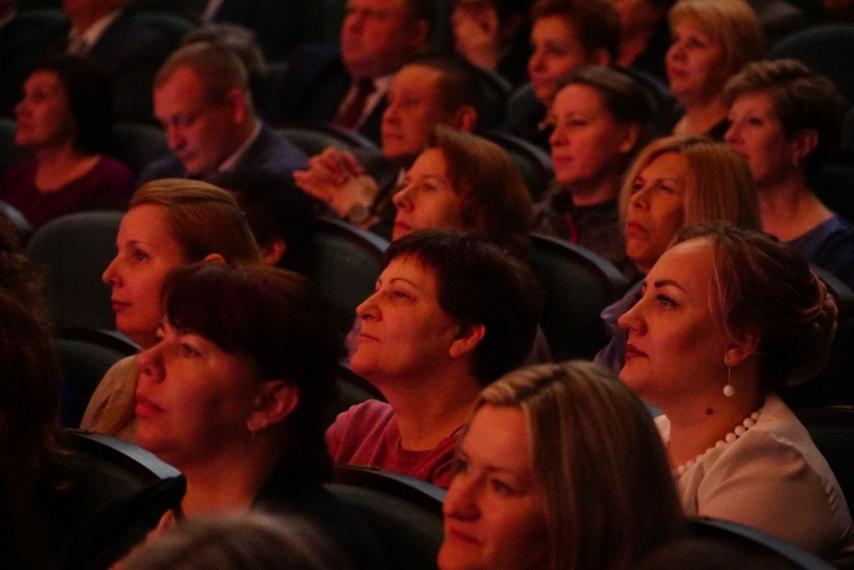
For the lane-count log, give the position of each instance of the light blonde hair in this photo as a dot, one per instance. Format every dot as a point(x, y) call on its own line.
point(609, 493)
point(201, 217)
point(733, 22)
point(722, 187)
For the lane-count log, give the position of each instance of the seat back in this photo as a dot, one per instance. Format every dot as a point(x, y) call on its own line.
point(832, 431)
point(75, 249)
point(577, 284)
point(820, 48)
point(314, 139)
point(534, 163)
point(352, 390)
point(495, 91)
point(10, 153)
point(83, 365)
point(138, 144)
point(404, 513)
point(347, 262)
point(761, 548)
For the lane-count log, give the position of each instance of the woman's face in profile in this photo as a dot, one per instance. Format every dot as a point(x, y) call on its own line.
point(555, 51)
point(193, 398)
point(146, 252)
point(674, 348)
point(43, 116)
point(757, 135)
point(494, 511)
point(426, 198)
point(656, 208)
point(587, 143)
point(403, 332)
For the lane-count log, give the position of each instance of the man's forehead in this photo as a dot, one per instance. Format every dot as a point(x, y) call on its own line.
point(388, 6)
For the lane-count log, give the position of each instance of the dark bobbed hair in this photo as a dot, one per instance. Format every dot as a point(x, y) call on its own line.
point(479, 284)
point(802, 100)
point(276, 208)
point(607, 485)
point(275, 318)
point(459, 81)
point(30, 435)
point(626, 99)
point(596, 22)
point(90, 100)
point(495, 202)
point(767, 288)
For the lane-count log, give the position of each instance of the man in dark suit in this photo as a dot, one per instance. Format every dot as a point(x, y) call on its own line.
point(429, 91)
point(348, 86)
point(202, 99)
point(128, 50)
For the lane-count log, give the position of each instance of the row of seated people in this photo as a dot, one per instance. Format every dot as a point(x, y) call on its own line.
point(241, 358)
point(348, 84)
point(785, 124)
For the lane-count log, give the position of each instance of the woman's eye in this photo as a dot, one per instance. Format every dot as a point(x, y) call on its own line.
point(460, 465)
point(139, 255)
point(665, 301)
point(397, 294)
point(637, 186)
point(501, 487)
point(187, 350)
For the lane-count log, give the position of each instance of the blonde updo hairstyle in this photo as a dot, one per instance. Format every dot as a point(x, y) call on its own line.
point(768, 288)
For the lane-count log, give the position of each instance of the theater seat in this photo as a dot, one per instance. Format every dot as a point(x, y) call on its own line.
point(137, 144)
point(314, 139)
point(75, 249)
point(347, 262)
point(577, 284)
point(533, 162)
point(761, 548)
point(404, 513)
point(832, 431)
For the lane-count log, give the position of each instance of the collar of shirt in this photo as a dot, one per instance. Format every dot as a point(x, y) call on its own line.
point(94, 32)
point(381, 85)
point(232, 161)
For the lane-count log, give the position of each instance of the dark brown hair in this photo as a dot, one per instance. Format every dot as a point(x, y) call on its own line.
point(277, 319)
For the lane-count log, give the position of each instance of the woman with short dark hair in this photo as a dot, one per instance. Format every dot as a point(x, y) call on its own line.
point(63, 119)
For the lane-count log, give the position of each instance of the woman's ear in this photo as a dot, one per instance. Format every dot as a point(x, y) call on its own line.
point(214, 258)
point(740, 348)
point(275, 401)
point(631, 135)
point(273, 250)
point(468, 339)
point(803, 144)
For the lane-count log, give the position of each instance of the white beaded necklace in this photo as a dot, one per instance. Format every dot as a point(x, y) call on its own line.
point(730, 437)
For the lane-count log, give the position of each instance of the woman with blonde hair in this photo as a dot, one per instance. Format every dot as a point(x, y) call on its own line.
point(533, 487)
point(674, 182)
point(727, 318)
point(170, 222)
point(712, 41)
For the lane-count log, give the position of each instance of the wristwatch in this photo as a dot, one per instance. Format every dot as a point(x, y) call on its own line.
point(359, 214)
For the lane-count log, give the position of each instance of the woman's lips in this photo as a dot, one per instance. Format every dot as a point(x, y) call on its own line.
point(119, 306)
point(460, 536)
point(635, 230)
point(145, 408)
point(633, 352)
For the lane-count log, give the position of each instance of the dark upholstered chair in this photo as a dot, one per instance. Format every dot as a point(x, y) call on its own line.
point(75, 249)
point(404, 513)
point(577, 285)
point(314, 139)
point(347, 262)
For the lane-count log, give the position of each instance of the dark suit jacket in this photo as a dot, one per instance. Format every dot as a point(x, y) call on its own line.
point(269, 153)
point(314, 87)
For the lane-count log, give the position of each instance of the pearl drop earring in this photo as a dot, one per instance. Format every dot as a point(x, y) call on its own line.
point(729, 389)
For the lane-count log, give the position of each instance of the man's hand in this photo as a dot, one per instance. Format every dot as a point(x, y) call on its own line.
point(336, 178)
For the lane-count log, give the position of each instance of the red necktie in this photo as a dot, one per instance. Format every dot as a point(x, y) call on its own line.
point(350, 113)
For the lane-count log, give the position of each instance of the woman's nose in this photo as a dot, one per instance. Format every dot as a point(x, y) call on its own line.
point(150, 363)
point(110, 275)
point(461, 500)
point(631, 320)
point(367, 309)
point(402, 198)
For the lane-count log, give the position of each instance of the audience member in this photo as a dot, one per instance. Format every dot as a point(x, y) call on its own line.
point(565, 34)
point(279, 215)
point(727, 317)
point(251, 541)
point(170, 222)
point(464, 182)
point(233, 395)
point(674, 182)
point(347, 85)
point(645, 36)
point(493, 34)
point(63, 118)
point(712, 41)
point(202, 99)
point(451, 313)
point(129, 50)
point(428, 91)
point(558, 466)
point(23, 42)
point(785, 123)
point(601, 117)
